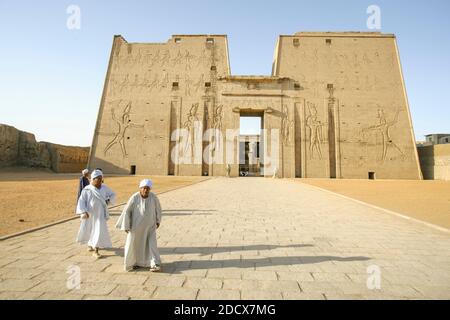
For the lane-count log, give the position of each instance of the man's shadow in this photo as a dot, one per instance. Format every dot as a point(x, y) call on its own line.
point(177, 267)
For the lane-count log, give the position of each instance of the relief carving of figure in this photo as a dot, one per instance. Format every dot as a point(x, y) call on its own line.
point(123, 124)
point(178, 59)
point(216, 121)
point(164, 81)
point(187, 85)
point(383, 129)
point(189, 126)
point(216, 124)
point(287, 126)
point(315, 131)
point(188, 57)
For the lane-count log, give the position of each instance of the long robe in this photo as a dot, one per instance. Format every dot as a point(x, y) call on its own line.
point(84, 182)
point(94, 230)
point(140, 217)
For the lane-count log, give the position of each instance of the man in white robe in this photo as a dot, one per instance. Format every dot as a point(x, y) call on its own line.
point(140, 218)
point(93, 208)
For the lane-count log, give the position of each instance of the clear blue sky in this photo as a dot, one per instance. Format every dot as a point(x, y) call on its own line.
point(51, 78)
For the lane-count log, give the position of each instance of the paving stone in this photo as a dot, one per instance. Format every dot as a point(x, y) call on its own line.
point(133, 291)
point(162, 280)
point(260, 295)
point(51, 287)
point(129, 279)
point(215, 294)
point(17, 284)
point(202, 283)
point(302, 244)
point(175, 293)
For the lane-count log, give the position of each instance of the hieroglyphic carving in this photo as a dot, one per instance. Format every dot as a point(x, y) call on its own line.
point(138, 58)
point(355, 60)
point(200, 83)
point(257, 104)
point(187, 85)
point(331, 94)
point(366, 59)
point(383, 129)
point(215, 123)
point(123, 124)
point(216, 119)
point(124, 83)
point(192, 117)
point(315, 57)
point(203, 58)
point(287, 126)
point(147, 59)
point(315, 131)
point(188, 57)
point(178, 59)
point(218, 56)
point(164, 81)
point(146, 83)
point(154, 83)
point(165, 59)
point(135, 83)
point(155, 59)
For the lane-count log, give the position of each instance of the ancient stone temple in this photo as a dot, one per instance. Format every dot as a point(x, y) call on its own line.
point(335, 106)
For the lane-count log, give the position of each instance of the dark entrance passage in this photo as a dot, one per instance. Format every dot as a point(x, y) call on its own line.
point(250, 145)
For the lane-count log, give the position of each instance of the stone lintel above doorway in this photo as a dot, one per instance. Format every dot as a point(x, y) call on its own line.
point(255, 111)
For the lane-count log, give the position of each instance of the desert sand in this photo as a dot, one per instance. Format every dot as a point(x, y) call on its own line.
point(31, 198)
point(426, 200)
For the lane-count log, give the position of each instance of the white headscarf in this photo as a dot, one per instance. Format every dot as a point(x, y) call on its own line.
point(84, 171)
point(146, 183)
point(96, 173)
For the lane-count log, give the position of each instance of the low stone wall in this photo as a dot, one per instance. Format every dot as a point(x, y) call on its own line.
point(19, 148)
point(435, 161)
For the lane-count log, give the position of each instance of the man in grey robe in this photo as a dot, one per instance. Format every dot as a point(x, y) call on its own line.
point(140, 218)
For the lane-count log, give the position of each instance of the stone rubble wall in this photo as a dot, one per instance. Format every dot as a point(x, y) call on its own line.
point(19, 148)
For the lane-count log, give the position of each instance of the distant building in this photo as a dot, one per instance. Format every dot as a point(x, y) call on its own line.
point(437, 138)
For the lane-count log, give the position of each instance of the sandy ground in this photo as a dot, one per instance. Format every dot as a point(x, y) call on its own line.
point(40, 197)
point(427, 200)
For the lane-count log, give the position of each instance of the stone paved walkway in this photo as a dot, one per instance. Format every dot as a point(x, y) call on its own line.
point(243, 238)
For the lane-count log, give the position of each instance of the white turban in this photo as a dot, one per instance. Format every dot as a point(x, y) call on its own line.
point(84, 171)
point(96, 173)
point(146, 183)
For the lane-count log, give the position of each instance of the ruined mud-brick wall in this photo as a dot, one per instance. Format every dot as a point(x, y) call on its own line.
point(67, 159)
point(19, 148)
point(9, 145)
point(435, 161)
point(353, 115)
point(150, 90)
